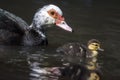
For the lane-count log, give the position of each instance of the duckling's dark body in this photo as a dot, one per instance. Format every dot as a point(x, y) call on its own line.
point(15, 31)
point(74, 49)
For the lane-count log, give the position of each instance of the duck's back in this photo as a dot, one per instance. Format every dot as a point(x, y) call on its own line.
point(12, 28)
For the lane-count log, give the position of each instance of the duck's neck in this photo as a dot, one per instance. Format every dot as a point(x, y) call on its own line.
point(35, 36)
point(40, 31)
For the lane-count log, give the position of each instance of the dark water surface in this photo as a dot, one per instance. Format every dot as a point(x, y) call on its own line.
point(98, 19)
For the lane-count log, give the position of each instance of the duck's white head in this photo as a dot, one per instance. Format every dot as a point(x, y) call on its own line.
point(50, 14)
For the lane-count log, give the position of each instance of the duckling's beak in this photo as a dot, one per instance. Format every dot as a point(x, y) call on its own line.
point(64, 25)
point(100, 49)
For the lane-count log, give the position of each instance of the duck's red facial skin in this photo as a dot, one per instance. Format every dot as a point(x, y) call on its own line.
point(59, 20)
point(56, 16)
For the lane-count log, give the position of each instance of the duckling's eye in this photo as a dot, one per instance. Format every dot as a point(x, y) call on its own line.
point(96, 45)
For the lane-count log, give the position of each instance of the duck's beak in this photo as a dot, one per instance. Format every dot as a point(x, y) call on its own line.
point(64, 25)
point(100, 49)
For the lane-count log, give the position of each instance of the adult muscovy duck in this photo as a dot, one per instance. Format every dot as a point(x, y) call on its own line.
point(15, 31)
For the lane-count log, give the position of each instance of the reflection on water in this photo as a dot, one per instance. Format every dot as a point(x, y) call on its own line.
point(100, 20)
point(35, 63)
point(38, 65)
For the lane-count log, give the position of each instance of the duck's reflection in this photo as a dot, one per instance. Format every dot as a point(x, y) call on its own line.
point(42, 73)
point(40, 69)
point(39, 64)
point(69, 71)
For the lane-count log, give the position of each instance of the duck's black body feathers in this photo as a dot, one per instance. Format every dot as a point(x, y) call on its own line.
point(15, 31)
point(8, 20)
point(12, 28)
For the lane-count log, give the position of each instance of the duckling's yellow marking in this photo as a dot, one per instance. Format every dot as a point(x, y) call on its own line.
point(94, 46)
point(94, 76)
point(94, 53)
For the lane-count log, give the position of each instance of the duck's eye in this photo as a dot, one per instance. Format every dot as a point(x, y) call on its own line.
point(52, 13)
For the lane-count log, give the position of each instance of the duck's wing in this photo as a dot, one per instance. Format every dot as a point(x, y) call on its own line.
point(11, 22)
point(12, 28)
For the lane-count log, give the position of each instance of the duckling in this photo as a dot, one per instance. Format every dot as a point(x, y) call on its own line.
point(88, 54)
point(93, 46)
point(77, 49)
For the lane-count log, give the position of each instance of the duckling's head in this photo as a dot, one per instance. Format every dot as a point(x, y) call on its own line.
point(94, 45)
